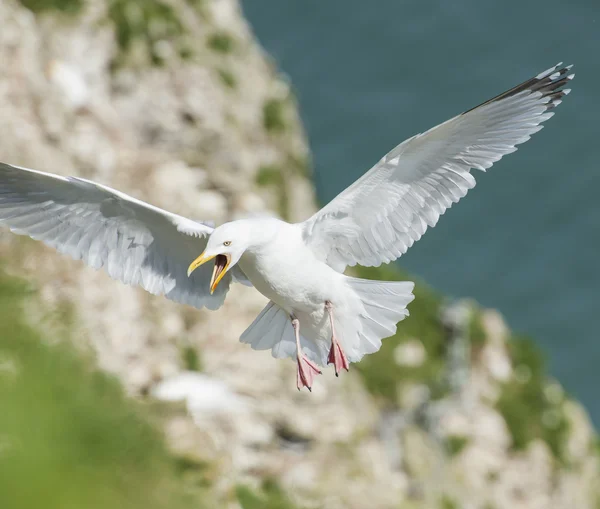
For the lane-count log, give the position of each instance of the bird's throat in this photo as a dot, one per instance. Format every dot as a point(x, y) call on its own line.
point(221, 264)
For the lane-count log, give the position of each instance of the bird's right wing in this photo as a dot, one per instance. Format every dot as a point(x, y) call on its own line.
point(135, 242)
point(383, 213)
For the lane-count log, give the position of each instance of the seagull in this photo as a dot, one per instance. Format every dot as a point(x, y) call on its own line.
point(316, 314)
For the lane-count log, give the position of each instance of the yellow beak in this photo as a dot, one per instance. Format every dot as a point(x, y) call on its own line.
point(218, 272)
point(201, 260)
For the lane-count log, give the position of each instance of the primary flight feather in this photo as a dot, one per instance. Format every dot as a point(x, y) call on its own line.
point(316, 314)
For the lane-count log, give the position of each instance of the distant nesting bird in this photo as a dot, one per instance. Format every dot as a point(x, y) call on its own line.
point(316, 314)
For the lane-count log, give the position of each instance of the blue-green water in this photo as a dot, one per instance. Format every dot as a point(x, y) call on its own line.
point(526, 240)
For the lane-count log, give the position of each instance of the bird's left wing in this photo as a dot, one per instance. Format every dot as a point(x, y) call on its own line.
point(383, 213)
point(135, 242)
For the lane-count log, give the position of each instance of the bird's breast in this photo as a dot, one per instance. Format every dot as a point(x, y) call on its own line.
point(292, 278)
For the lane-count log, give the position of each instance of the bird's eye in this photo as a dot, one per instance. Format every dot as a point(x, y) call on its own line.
point(227, 243)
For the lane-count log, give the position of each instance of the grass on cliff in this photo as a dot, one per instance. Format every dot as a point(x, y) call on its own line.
point(69, 437)
point(526, 402)
point(148, 22)
point(274, 119)
point(228, 78)
point(270, 496)
point(221, 42)
point(64, 6)
point(273, 176)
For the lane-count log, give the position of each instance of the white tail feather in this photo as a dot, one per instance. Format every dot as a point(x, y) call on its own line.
point(384, 305)
point(272, 329)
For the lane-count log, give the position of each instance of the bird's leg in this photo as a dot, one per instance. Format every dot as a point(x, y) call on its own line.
point(306, 369)
point(337, 357)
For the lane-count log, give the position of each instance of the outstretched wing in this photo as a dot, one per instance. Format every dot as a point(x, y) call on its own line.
point(135, 242)
point(383, 213)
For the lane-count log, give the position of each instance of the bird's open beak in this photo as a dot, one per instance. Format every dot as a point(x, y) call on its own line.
point(221, 265)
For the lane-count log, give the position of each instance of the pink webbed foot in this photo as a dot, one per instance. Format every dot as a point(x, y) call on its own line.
point(306, 373)
point(337, 357)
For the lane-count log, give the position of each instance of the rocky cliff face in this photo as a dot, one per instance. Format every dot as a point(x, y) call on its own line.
point(174, 103)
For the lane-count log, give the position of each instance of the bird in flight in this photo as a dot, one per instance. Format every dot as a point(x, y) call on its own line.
point(316, 315)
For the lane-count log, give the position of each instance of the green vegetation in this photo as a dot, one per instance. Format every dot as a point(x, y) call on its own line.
point(477, 335)
point(448, 503)
point(382, 375)
point(455, 444)
point(524, 403)
point(69, 437)
point(149, 21)
point(221, 42)
point(191, 359)
point(271, 496)
point(273, 176)
point(274, 116)
point(269, 176)
point(197, 475)
point(228, 78)
point(186, 52)
point(64, 6)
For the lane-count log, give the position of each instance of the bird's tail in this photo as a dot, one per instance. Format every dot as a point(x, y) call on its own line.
point(272, 330)
point(383, 305)
point(361, 324)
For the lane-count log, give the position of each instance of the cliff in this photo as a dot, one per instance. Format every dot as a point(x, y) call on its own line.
point(172, 101)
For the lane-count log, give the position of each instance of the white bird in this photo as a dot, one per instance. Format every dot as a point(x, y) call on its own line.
point(316, 314)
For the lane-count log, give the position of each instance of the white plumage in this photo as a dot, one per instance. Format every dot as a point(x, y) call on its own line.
point(389, 208)
point(337, 319)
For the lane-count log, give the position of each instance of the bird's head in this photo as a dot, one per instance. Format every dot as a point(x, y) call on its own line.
point(226, 245)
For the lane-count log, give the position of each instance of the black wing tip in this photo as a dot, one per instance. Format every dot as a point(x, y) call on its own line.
point(549, 83)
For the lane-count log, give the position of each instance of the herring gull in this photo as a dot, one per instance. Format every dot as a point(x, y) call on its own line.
point(316, 314)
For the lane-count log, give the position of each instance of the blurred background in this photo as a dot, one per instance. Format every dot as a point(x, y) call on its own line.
point(216, 109)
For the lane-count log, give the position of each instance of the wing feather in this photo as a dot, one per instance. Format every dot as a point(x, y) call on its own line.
point(381, 215)
point(136, 243)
